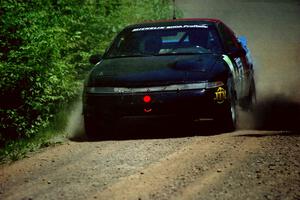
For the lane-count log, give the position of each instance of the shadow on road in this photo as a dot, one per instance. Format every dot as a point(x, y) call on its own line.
point(277, 113)
point(270, 134)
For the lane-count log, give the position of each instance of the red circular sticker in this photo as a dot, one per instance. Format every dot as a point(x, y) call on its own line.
point(147, 99)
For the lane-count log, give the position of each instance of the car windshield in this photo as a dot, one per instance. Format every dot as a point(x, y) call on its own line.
point(165, 40)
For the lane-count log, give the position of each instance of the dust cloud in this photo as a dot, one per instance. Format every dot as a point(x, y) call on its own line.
point(273, 31)
point(75, 125)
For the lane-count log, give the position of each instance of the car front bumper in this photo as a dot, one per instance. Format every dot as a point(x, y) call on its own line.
point(192, 104)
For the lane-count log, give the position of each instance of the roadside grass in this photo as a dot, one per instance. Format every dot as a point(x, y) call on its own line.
point(55, 133)
point(52, 135)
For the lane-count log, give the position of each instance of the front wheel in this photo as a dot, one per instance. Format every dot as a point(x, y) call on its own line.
point(97, 129)
point(91, 128)
point(227, 115)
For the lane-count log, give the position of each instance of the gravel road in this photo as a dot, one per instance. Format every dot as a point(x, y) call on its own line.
point(150, 160)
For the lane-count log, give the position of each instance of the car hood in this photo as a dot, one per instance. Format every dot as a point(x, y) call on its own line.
point(152, 70)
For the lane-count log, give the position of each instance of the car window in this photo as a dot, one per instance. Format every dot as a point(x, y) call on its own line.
point(227, 37)
point(165, 40)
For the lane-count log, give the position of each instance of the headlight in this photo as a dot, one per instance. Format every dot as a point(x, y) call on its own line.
point(175, 87)
point(214, 84)
point(100, 90)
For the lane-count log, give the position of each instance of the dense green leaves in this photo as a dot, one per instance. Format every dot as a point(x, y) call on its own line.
point(44, 51)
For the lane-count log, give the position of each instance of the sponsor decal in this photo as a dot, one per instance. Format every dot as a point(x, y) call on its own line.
point(220, 95)
point(239, 64)
point(169, 27)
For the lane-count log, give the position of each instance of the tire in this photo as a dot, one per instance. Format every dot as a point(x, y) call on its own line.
point(230, 116)
point(227, 117)
point(252, 96)
point(249, 102)
point(91, 128)
point(95, 129)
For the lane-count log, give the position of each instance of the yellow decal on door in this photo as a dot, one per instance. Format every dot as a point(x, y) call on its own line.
point(220, 95)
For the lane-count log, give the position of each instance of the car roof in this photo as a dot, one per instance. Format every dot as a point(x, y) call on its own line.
point(182, 21)
point(214, 20)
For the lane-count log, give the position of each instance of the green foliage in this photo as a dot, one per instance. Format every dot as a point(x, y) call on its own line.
point(51, 135)
point(44, 51)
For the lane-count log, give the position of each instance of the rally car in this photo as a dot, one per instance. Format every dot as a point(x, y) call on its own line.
point(184, 68)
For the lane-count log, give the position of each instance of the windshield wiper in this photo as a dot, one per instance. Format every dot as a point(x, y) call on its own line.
point(130, 55)
point(182, 53)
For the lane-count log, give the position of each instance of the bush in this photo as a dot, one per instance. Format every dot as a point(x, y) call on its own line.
point(45, 47)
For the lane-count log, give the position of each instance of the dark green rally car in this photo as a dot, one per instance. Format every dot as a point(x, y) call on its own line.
point(184, 68)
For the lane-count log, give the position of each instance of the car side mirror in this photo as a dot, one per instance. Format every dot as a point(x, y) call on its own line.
point(94, 59)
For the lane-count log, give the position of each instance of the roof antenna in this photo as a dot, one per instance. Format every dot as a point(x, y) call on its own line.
point(174, 11)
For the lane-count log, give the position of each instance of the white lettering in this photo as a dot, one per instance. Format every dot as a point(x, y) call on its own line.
point(169, 27)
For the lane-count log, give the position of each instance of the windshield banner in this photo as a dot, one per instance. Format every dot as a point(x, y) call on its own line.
point(169, 27)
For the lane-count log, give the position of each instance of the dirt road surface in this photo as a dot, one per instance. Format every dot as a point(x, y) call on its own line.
point(261, 160)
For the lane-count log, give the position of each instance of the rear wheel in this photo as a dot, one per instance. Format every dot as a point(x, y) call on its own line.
point(252, 96)
point(248, 102)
